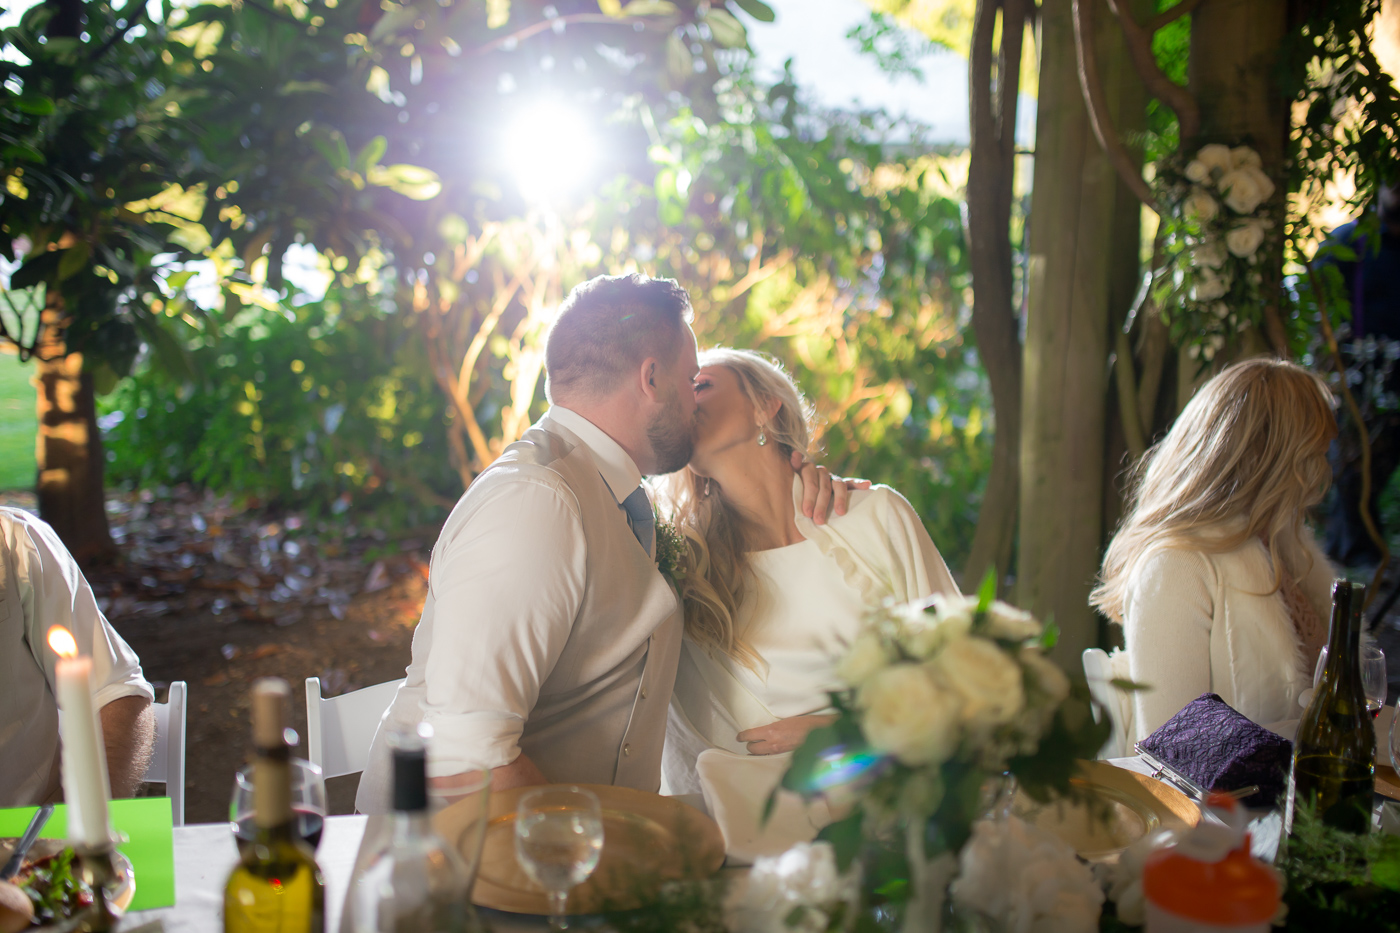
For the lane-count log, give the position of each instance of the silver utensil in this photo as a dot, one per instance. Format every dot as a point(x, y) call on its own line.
point(36, 823)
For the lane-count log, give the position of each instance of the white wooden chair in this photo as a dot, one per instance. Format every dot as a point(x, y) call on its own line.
point(339, 730)
point(1109, 701)
point(168, 760)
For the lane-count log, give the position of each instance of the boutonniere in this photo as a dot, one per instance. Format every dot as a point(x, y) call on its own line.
point(670, 551)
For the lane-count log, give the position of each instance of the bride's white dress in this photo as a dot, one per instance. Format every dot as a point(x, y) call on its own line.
point(807, 603)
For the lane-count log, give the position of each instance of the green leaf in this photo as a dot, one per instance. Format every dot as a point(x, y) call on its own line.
point(1049, 636)
point(370, 155)
point(37, 270)
point(845, 837)
point(74, 259)
point(411, 181)
point(728, 32)
point(678, 58)
point(987, 591)
point(757, 9)
point(1129, 686)
point(805, 759)
point(304, 87)
point(37, 105)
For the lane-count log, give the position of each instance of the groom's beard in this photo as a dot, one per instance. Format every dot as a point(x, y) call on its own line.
point(672, 437)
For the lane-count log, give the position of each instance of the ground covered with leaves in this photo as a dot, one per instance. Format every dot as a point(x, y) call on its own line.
point(218, 595)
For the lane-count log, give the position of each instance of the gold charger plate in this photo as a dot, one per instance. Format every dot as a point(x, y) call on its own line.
point(1124, 807)
point(647, 840)
point(119, 896)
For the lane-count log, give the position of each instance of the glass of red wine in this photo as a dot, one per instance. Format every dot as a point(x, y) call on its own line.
point(308, 803)
point(1373, 676)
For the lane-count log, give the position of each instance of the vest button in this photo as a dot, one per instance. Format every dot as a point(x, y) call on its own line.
point(644, 693)
point(626, 748)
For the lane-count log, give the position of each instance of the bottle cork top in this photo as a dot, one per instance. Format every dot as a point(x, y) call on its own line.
point(270, 699)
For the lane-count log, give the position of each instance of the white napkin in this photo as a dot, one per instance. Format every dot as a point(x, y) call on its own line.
point(736, 788)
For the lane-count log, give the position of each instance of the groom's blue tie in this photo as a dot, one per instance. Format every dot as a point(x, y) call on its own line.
point(642, 518)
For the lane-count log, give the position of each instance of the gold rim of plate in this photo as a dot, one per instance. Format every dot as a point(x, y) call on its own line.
point(1123, 807)
point(125, 889)
point(648, 840)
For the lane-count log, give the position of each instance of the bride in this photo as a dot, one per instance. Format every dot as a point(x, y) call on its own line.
point(771, 599)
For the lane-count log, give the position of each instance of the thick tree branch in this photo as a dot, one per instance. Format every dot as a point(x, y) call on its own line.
point(1092, 87)
point(1139, 42)
point(1167, 17)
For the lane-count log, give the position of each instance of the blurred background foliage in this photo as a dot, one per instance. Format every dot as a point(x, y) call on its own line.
point(360, 325)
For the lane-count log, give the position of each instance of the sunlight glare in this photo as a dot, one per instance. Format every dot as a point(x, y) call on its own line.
point(550, 149)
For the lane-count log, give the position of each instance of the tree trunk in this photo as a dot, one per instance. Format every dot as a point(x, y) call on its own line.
point(1083, 266)
point(1233, 75)
point(69, 446)
point(993, 89)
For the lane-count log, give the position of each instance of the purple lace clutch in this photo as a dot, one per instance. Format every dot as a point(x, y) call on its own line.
point(1211, 743)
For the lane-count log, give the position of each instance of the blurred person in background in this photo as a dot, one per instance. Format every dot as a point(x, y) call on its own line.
point(40, 587)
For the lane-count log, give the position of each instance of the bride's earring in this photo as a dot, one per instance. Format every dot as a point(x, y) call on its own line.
point(707, 487)
point(762, 438)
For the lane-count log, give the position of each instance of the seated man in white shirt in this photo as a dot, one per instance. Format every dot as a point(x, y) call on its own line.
point(41, 586)
point(549, 639)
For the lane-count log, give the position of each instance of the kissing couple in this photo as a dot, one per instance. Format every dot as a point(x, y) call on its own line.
point(554, 649)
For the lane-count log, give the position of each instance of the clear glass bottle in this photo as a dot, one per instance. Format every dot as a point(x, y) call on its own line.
point(276, 885)
point(417, 883)
point(1334, 755)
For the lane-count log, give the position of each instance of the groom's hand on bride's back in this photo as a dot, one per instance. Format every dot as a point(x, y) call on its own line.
point(822, 491)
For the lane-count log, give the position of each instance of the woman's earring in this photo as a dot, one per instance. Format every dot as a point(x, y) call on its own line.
point(707, 487)
point(762, 438)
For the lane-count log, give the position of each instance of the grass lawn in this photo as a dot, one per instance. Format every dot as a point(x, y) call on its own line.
point(17, 423)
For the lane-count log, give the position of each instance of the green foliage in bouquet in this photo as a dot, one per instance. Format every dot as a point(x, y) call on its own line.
point(1339, 881)
point(941, 700)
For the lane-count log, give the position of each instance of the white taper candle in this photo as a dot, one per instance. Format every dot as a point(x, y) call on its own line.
point(85, 784)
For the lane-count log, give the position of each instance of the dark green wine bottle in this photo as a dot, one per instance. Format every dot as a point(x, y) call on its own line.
point(1334, 755)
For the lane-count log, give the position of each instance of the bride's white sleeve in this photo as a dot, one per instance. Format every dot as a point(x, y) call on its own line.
point(924, 571)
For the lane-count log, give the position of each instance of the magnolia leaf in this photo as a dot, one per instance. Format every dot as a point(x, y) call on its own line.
point(845, 837)
point(807, 756)
point(987, 590)
point(1049, 636)
point(192, 236)
point(728, 32)
point(411, 181)
point(74, 259)
point(370, 155)
point(757, 9)
point(678, 58)
point(38, 105)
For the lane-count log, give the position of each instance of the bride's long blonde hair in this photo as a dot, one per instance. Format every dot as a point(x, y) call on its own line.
point(717, 573)
point(1245, 459)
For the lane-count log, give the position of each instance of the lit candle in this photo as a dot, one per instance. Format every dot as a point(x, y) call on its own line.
point(84, 756)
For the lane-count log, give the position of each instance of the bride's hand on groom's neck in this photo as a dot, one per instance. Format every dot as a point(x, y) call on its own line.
point(822, 491)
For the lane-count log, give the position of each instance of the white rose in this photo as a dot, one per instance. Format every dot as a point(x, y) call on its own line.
point(1245, 157)
point(1046, 673)
point(1209, 285)
point(804, 876)
point(1026, 879)
point(867, 655)
point(1200, 205)
point(1221, 310)
point(985, 677)
point(1197, 171)
point(1210, 254)
point(1246, 238)
point(1006, 621)
point(909, 716)
point(1215, 156)
point(1245, 189)
point(929, 632)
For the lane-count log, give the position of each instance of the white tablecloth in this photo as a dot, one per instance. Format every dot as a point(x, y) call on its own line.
point(205, 854)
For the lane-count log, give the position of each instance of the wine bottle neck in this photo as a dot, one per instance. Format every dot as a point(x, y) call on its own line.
point(272, 789)
point(410, 825)
point(1344, 636)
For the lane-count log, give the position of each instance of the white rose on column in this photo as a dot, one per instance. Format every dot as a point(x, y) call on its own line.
point(1210, 254)
point(1197, 171)
point(1246, 238)
point(1216, 156)
point(1209, 285)
point(1244, 157)
point(1246, 188)
point(1200, 205)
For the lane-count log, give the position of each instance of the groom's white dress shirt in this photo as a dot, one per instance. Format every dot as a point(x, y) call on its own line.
point(547, 627)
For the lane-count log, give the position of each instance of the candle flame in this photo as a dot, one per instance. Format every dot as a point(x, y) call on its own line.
point(62, 643)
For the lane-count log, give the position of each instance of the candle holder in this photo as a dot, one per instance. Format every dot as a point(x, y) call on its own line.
point(97, 869)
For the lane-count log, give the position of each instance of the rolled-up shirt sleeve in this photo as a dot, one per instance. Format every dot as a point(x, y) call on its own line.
point(508, 582)
point(55, 592)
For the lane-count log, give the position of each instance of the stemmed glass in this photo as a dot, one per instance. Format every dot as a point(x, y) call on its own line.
point(308, 803)
point(1373, 676)
point(558, 840)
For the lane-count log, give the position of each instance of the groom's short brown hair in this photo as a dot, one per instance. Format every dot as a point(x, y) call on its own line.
point(607, 326)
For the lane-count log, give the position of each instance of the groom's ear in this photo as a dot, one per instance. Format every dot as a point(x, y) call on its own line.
point(647, 376)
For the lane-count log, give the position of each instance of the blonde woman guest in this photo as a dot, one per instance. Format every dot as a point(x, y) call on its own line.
point(1213, 575)
point(770, 599)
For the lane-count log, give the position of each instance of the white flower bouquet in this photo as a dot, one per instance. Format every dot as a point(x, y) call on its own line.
point(1215, 223)
point(940, 700)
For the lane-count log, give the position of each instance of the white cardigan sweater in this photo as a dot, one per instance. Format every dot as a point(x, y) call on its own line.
point(1195, 622)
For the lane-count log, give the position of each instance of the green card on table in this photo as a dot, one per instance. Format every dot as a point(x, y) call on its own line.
point(150, 845)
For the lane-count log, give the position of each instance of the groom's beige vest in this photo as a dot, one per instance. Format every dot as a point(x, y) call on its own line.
point(601, 713)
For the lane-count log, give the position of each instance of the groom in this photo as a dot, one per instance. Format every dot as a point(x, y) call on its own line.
point(549, 640)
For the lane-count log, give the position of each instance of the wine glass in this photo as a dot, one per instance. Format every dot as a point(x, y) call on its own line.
point(1373, 676)
point(308, 804)
point(558, 840)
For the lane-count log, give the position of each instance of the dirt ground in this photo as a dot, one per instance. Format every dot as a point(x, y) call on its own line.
point(218, 596)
